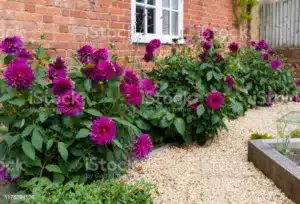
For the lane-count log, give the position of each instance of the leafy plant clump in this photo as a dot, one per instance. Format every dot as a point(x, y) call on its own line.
point(68, 124)
point(295, 133)
point(109, 191)
point(259, 136)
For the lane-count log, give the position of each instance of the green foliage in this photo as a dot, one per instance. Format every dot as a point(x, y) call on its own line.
point(106, 192)
point(258, 136)
point(257, 78)
point(58, 147)
point(244, 13)
point(295, 133)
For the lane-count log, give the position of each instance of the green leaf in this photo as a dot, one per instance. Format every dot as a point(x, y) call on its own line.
point(58, 178)
point(158, 114)
point(10, 140)
point(43, 116)
point(215, 119)
point(53, 168)
point(209, 75)
point(6, 97)
point(163, 86)
point(39, 52)
point(27, 130)
point(87, 85)
point(37, 140)
point(142, 125)
point(180, 125)
point(74, 164)
point(83, 133)
point(28, 149)
point(49, 144)
point(63, 151)
point(17, 101)
point(93, 112)
point(200, 110)
point(117, 143)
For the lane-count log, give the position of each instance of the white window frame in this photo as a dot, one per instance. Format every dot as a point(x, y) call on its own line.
point(166, 39)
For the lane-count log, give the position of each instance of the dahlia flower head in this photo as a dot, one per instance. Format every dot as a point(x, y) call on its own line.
point(129, 78)
point(25, 54)
point(133, 94)
point(215, 100)
point(101, 54)
point(230, 82)
point(262, 45)
point(264, 56)
point(252, 43)
point(275, 64)
point(102, 71)
point(103, 131)
point(70, 103)
point(296, 99)
point(234, 47)
point(11, 45)
point(148, 87)
point(208, 34)
point(219, 57)
point(142, 146)
point(5, 177)
point(206, 45)
point(61, 86)
point(19, 74)
point(297, 81)
point(57, 69)
point(150, 49)
point(85, 53)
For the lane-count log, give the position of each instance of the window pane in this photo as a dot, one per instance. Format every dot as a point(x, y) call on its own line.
point(151, 2)
point(175, 4)
point(140, 1)
point(151, 20)
point(175, 23)
point(166, 22)
point(166, 3)
point(140, 19)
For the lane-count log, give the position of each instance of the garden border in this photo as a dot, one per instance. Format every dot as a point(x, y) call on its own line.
point(281, 170)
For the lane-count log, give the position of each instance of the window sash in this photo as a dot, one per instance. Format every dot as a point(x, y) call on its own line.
point(145, 38)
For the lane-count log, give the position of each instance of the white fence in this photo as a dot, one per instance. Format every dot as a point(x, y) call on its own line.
point(280, 23)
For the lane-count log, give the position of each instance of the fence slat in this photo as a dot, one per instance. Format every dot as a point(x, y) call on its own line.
point(280, 23)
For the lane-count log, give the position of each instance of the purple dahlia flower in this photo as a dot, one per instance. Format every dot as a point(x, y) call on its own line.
point(70, 103)
point(208, 34)
point(61, 86)
point(275, 64)
point(119, 69)
point(106, 70)
point(150, 48)
point(57, 69)
point(206, 45)
point(156, 43)
point(3, 174)
point(25, 54)
point(271, 52)
point(148, 87)
point(85, 53)
point(296, 99)
point(270, 98)
point(215, 100)
point(11, 45)
point(129, 78)
point(230, 82)
point(234, 47)
point(142, 147)
point(19, 74)
point(252, 43)
point(219, 57)
point(262, 45)
point(297, 82)
point(103, 131)
point(202, 56)
point(101, 54)
point(149, 56)
point(264, 56)
point(132, 94)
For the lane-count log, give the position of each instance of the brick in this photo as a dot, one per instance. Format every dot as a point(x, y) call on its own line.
point(48, 19)
point(48, 10)
point(78, 14)
point(64, 28)
point(17, 6)
point(29, 8)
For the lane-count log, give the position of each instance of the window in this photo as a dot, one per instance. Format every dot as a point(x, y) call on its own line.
point(161, 19)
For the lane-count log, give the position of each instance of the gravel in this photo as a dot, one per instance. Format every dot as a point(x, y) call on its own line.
point(219, 173)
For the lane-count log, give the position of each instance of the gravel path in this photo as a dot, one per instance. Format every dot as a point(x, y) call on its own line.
point(220, 173)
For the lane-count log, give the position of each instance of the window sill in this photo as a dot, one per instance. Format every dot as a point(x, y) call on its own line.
point(143, 39)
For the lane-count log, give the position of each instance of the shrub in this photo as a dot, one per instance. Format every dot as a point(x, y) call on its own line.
point(262, 74)
point(258, 136)
point(194, 96)
point(109, 191)
point(67, 124)
point(295, 133)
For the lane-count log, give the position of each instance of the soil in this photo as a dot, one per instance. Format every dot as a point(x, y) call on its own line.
point(295, 156)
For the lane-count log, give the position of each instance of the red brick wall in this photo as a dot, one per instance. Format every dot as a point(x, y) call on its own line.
point(68, 24)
